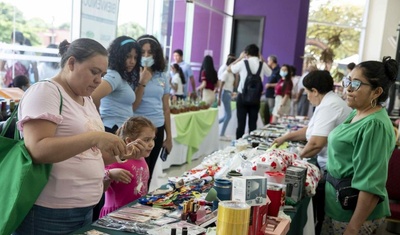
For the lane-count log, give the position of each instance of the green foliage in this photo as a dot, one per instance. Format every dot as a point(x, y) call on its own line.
point(130, 29)
point(335, 26)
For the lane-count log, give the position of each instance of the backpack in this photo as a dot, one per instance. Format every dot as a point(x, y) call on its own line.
point(253, 86)
point(19, 70)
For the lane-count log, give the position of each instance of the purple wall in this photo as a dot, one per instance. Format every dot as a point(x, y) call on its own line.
point(285, 27)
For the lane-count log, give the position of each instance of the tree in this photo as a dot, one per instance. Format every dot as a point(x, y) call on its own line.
point(130, 29)
point(336, 27)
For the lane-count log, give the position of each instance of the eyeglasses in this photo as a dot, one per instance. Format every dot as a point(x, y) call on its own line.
point(355, 84)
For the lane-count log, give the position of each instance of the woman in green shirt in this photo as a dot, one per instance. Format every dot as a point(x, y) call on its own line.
point(360, 149)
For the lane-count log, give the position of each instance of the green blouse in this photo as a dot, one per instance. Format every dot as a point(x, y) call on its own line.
point(361, 149)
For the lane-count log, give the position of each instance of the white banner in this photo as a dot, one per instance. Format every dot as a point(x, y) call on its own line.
point(99, 20)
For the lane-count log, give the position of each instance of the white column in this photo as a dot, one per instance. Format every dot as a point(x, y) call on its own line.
point(382, 23)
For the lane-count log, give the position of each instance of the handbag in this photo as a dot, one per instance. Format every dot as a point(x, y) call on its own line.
point(22, 181)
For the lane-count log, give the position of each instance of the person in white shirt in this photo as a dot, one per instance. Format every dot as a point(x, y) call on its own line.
point(177, 81)
point(253, 56)
point(226, 87)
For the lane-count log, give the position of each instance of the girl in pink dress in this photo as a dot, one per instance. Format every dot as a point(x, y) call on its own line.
point(127, 180)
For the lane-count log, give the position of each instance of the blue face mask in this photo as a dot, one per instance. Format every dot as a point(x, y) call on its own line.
point(283, 73)
point(147, 61)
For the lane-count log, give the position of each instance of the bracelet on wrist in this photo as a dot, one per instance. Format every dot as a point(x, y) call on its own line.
point(140, 84)
point(107, 175)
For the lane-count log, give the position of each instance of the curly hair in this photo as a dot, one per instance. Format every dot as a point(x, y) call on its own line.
point(156, 50)
point(118, 53)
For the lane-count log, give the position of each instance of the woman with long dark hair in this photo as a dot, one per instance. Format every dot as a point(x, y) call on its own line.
point(208, 79)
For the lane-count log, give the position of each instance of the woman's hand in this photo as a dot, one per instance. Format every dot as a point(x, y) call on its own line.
point(121, 175)
point(136, 149)
point(278, 141)
point(145, 76)
point(110, 144)
point(168, 144)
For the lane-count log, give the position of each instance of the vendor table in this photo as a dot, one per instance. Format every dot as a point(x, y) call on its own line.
point(194, 134)
point(299, 225)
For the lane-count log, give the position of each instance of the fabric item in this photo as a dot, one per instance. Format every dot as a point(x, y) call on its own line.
point(285, 109)
point(81, 174)
point(226, 101)
point(46, 221)
point(333, 227)
point(116, 107)
point(331, 112)
point(119, 194)
point(362, 150)
point(240, 68)
point(209, 85)
point(228, 79)
point(151, 105)
point(242, 112)
point(208, 96)
point(279, 89)
point(274, 78)
point(192, 127)
point(176, 79)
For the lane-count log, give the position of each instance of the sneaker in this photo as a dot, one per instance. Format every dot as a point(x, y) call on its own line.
point(225, 138)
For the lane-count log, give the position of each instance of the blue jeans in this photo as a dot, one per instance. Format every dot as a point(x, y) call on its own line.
point(226, 100)
point(43, 220)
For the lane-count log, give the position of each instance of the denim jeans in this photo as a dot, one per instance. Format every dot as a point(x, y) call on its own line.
point(226, 100)
point(43, 220)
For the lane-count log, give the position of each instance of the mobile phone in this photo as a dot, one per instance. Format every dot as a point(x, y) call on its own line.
point(164, 154)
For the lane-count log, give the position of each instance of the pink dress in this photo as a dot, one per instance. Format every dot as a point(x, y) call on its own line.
point(119, 194)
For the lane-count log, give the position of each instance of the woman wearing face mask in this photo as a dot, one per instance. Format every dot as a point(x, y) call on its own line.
point(152, 96)
point(283, 91)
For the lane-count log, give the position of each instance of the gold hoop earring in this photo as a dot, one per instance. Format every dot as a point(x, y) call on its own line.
point(373, 103)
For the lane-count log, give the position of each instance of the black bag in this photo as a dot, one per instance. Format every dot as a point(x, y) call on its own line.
point(346, 195)
point(253, 86)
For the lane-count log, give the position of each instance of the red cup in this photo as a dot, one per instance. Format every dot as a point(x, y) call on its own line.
point(275, 197)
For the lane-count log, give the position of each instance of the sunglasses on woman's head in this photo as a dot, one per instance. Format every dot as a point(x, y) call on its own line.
point(355, 84)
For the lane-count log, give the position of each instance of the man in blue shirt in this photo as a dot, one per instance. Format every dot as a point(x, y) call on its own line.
point(187, 71)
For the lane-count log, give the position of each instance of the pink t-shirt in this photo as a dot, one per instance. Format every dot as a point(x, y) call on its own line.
point(119, 194)
point(77, 181)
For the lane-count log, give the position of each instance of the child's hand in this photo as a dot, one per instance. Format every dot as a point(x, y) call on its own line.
point(121, 175)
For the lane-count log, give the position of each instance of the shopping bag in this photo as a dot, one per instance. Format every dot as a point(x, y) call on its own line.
point(21, 180)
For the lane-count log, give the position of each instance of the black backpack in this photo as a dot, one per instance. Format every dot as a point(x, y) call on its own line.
point(253, 86)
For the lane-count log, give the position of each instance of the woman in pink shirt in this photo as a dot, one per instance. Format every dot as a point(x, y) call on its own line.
point(74, 142)
point(128, 180)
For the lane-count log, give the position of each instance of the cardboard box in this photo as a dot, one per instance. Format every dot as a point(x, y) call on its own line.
point(250, 189)
point(295, 180)
point(276, 226)
point(258, 218)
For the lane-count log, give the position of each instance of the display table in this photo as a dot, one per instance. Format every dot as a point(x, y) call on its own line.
point(232, 125)
point(194, 134)
point(298, 226)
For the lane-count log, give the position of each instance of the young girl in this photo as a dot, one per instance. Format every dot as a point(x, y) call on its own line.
point(177, 81)
point(208, 79)
point(128, 180)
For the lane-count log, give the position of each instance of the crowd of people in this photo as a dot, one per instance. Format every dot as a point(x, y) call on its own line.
point(115, 113)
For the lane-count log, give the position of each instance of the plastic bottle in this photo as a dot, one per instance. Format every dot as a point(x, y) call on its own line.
point(201, 212)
